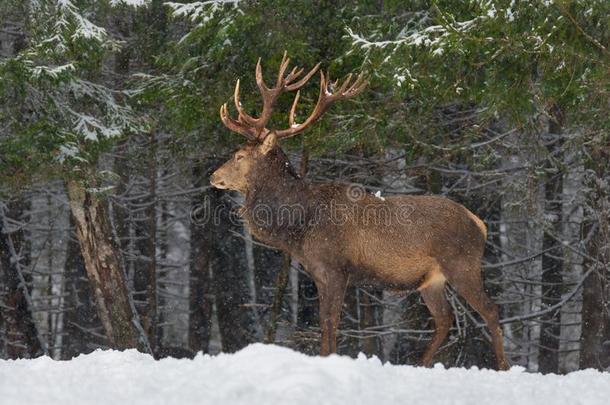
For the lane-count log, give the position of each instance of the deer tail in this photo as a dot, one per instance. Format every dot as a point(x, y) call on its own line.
point(479, 223)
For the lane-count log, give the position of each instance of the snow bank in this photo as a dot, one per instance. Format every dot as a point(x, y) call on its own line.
point(267, 375)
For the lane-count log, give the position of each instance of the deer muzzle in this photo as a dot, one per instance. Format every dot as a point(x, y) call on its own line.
point(216, 182)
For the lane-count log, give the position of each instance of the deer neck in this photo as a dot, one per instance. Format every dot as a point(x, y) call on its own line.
point(276, 206)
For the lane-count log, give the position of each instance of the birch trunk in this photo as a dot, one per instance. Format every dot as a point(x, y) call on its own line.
point(81, 317)
point(103, 266)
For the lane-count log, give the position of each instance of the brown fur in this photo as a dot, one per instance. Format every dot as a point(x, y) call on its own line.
point(344, 236)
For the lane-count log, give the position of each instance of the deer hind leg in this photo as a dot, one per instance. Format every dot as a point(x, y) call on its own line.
point(468, 285)
point(433, 294)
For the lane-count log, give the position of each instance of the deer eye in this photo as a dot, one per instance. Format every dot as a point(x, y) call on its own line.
point(239, 157)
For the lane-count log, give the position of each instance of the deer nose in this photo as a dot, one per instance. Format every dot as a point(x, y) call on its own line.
point(215, 182)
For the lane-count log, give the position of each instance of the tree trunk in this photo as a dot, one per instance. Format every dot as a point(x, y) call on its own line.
point(595, 337)
point(82, 322)
point(104, 267)
point(350, 344)
point(145, 266)
point(144, 276)
point(228, 264)
point(593, 352)
point(552, 279)
point(370, 345)
point(552, 268)
point(22, 339)
point(278, 298)
point(200, 304)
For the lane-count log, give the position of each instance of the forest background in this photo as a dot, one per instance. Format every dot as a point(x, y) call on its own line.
point(109, 129)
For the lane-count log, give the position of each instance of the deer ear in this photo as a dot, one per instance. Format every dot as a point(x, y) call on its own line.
point(268, 143)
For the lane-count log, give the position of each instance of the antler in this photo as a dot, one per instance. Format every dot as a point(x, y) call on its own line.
point(256, 128)
point(325, 100)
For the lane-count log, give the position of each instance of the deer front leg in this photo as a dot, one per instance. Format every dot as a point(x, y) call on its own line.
point(331, 294)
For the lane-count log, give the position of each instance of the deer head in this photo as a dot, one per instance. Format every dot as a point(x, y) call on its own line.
point(235, 172)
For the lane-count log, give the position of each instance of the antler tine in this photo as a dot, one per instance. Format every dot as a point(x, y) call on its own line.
point(270, 95)
point(235, 126)
point(293, 109)
point(319, 109)
point(256, 128)
point(325, 100)
point(283, 66)
point(359, 85)
point(294, 73)
point(268, 100)
point(259, 76)
point(237, 101)
point(305, 79)
point(285, 83)
point(349, 89)
point(243, 116)
point(344, 85)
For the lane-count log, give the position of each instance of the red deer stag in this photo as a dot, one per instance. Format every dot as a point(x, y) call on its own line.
point(343, 236)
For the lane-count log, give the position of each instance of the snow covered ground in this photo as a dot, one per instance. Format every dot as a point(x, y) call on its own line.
point(267, 375)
